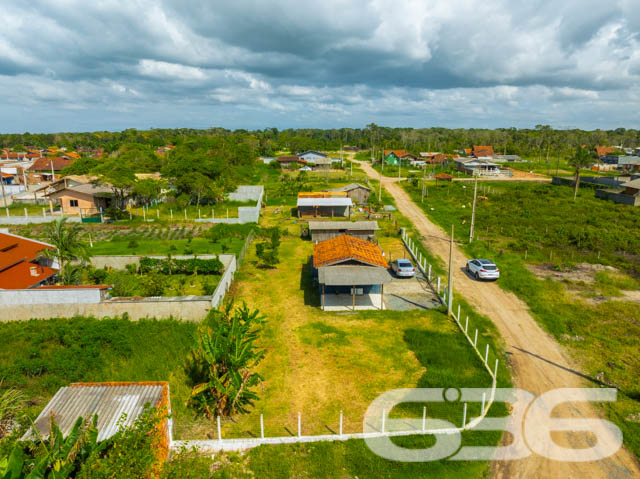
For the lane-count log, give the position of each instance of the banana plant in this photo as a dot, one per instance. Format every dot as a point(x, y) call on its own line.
point(57, 457)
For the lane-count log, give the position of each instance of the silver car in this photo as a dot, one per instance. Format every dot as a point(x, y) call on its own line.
point(403, 268)
point(483, 269)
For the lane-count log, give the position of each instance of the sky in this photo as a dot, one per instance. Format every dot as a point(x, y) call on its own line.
point(78, 65)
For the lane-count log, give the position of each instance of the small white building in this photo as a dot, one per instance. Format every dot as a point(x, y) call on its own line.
point(311, 155)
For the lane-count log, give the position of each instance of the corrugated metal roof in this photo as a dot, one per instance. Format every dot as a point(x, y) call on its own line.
point(343, 225)
point(353, 275)
point(351, 186)
point(635, 184)
point(325, 202)
point(347, 248)
point(110, 401)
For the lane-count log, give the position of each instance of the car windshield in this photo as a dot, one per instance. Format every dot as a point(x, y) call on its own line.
point(404, 262)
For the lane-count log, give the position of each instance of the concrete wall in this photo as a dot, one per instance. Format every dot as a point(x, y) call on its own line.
point(246, 214)
point(24, 220)
point(610, 181)
point(121, 262)
point(19, 297)
point(186, 309)
point(225, 283)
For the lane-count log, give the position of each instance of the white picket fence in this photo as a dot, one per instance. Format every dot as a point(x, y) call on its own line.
point(235, 444)
point(424, 267)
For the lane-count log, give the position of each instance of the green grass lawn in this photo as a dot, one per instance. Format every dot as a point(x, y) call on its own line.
point(542, 222)
point(163, 247)
point(163, 212)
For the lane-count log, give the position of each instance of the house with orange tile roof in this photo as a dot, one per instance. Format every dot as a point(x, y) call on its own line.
point(21, 266)
point(482, 151)
point(604, 150)
point(48, 167)
point(351, 273)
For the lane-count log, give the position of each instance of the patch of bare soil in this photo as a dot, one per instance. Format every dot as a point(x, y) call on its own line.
point(580, 272)
point(629, 296)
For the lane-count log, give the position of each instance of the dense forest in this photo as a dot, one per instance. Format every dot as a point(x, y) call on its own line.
point(538, 143)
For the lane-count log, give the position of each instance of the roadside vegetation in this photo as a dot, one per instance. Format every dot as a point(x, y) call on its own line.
point(575, 263)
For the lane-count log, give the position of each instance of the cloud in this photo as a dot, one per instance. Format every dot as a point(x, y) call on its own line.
point(410, 62)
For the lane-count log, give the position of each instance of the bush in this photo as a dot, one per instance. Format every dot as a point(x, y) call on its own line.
point(125, 285)
point(153, 285)
point(97, 276)
point(181, 266)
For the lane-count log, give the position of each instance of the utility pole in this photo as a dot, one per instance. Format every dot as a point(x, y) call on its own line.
point(450, 284)
point(399, 166)
point(380, 188)
point(473, 211)
point(424, 175)
point(53, 175)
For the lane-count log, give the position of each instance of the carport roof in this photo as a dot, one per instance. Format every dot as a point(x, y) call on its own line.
point(353, 275)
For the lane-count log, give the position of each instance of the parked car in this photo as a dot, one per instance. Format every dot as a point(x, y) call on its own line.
point(403, 267)
point(306, 168)
point(483, 269)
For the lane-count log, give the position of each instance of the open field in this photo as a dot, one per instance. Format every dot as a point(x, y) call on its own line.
point(545, 244)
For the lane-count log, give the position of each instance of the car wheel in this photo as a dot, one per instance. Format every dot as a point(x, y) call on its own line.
point(477, 276)
point(468, 270)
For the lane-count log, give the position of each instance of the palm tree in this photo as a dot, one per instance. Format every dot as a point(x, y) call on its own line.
point(66, 240)
point(580, 159)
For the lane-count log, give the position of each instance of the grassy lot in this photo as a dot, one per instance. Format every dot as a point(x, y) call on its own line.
point(163, 211)
point(535, 232)
point(17, 209)
point(126, 284)
point(392, 171)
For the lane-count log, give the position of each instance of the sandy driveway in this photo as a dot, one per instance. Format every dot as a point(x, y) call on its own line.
point(537, 360)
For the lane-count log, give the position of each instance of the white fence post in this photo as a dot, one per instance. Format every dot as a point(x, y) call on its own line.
point(484, 398)
point(466, 326)
point(495, 372)
point(458, 318)
point(26, 213)
point(261, 426)
point(219, 430)
point(299, 424)
point(383, 411)
point(341, 423)
point(424, 419)
point(7, 210)
point(464, 415)
point(486, 354)
point(429, 273)
point(438, 285)
point(475, 340)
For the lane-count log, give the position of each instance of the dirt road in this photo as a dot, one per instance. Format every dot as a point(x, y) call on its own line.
point(537, 361)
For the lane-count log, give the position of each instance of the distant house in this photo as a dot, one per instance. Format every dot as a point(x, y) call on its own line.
point(115, 404)
point(604, 150)
point(321, 163)
point(311, 155)
point(82, 198)
point(393, 157)
point(327, 205)
point(21, 266)
point(482, 151)
point(324, 230)
point(48, 167)
point(358, 193)
point(443, 177)
point(629, 196)
point(623, 162)
point(351, 273)
point(478, 167)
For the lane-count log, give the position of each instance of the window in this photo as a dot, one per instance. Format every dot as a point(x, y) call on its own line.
point(73, 203)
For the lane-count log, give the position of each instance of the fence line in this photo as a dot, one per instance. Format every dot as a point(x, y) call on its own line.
point(221, 444)
point(423, 266)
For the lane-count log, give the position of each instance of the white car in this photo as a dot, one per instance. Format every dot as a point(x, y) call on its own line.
point(306, 168)
point(403, 268)
point(483, 269)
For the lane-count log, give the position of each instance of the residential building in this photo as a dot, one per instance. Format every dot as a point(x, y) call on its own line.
point(311, 155)
point(507, 159)
point(321, 163)
point(482, 151)
point(49, 167)
point(324, 230)
point(629, 196)
point(84, 199)
point(604, 150)
point(21, 265)
point(351, 273)
point(327, 205)
point(479, 167)
point(358, 193)
point(393, 157)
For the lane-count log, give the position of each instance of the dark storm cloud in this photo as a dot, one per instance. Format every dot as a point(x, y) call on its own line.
point(289, 63)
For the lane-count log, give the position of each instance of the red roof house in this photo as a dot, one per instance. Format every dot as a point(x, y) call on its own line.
point(45, 164)
point(20, 265)
point(480, 151)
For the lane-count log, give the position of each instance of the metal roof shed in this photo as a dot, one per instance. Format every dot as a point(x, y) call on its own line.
point(110, 402)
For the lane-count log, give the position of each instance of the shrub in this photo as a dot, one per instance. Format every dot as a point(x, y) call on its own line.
point(97, 276)
point(181, 266)
point(125, 285)
point(133, 243)
point(153, 285)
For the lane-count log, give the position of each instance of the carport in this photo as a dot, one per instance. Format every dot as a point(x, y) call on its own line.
point(352, 287)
